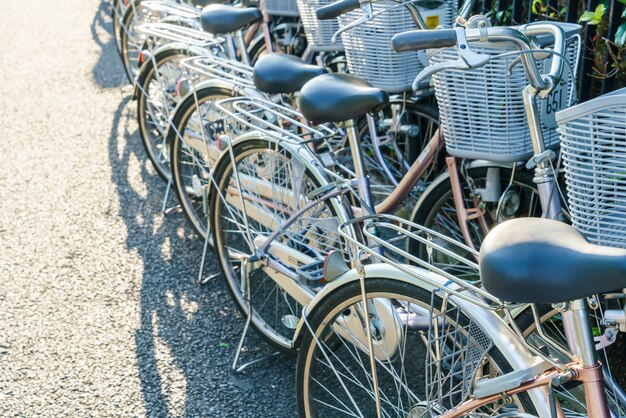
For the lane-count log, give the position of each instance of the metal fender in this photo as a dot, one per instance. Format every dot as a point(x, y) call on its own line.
point(173, 46)
point(511, 347)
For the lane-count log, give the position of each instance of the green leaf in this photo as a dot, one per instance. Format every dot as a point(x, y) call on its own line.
point(600, 11)
point(224, 345)
point(622, 1)
point(624, 13)
point(620, 35)
point(587, 16)
point(537, 6)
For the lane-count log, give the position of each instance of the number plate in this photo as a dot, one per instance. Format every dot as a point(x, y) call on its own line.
point(557, 100)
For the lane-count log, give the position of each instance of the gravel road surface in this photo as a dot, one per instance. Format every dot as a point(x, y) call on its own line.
point(100, 314)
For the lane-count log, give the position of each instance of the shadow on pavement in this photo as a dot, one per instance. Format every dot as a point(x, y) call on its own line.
point(188, 333)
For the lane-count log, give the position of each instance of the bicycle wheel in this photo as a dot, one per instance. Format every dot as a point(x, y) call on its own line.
point(118, 7)
point(572, 396)
point(131, 42)
point(192, 140)
point(156, 101)
point(418, 122)
point(436, 210)
point(253, 198)
point(287, 37)
point(334, 376)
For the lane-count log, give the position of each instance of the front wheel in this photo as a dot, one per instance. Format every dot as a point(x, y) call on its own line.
point(334, 376)
point(495, 199)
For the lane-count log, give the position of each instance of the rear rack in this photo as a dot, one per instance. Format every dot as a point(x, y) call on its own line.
point(446, 257)
point(180, 10)
point(272, 120)
point(176, 33)
point(225, 69)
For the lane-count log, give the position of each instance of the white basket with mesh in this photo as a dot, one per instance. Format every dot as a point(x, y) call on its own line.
point(368, 52)
point(281, 7)
point(482, 110)
point(593, 145)
point(318, 32)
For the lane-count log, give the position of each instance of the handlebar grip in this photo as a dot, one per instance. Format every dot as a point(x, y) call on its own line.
point(337, 8)
point(416, 40)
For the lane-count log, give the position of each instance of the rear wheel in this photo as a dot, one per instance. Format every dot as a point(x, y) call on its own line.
point(275, 184)
point(131, 42)
point(156, 100)
point(193, 148)
point(334, 376)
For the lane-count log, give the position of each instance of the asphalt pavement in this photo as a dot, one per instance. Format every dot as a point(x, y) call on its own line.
point(100, 312)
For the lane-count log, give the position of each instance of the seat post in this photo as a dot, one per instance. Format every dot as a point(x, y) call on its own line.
point(241, 45)
point(591, 376)
point(359, 167)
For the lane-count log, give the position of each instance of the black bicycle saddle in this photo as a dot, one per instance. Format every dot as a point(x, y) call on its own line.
point(222, 18)
point(532, 260)
point(282, 73)
point(339, 98)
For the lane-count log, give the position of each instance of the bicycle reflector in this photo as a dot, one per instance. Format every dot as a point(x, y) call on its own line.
point(334, 266)
point(143, 56)
point(182, 87)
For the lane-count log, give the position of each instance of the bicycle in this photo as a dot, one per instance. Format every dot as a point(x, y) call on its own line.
point(341, 313)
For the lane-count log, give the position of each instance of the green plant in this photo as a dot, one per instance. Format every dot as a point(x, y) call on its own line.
point(601, 44)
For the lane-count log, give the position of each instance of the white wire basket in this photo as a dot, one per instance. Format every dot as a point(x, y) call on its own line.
point(367, 46)
point(244, 114)
point(281, 7)
point(593, 145)
point(482, 110)
point(318, 32)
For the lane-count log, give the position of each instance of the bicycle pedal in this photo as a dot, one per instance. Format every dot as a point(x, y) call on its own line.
point(311, 273)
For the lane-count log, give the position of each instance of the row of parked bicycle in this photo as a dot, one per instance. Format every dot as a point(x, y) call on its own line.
point(371, 177)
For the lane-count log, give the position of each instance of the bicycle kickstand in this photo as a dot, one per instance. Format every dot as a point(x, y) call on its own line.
point(164, 207)
point(234, 369)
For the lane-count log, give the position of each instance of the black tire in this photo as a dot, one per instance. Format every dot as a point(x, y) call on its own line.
point(289, 28)
point(344, 303)
point(129, 52)
point(435, 210)
point(116, 14)
point(264, 166)
point(152, 98)
point(187, 162)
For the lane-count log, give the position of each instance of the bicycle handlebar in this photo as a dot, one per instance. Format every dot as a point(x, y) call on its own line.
point(459, 37)
point(336, 9)
point(416, 40)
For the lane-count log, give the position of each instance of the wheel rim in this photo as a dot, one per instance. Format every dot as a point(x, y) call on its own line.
point(275, 313)
point(345, 385)
point(159, 104)
point(196, 151)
